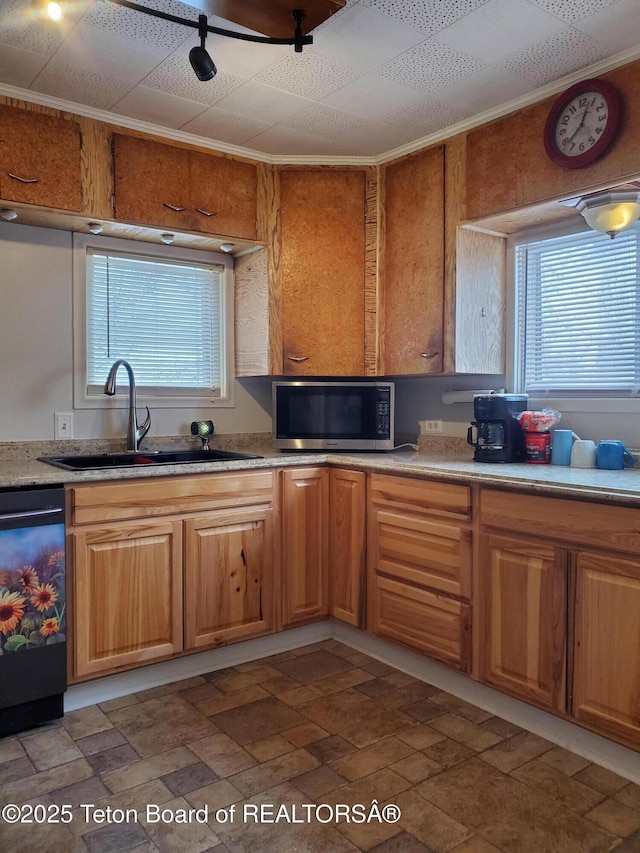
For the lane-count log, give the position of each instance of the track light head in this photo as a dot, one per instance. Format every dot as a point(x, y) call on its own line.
point(200, 60)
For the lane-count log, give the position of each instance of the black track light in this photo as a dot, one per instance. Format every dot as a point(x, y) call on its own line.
point(200, 60)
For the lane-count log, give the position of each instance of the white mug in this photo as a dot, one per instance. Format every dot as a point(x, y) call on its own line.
point(583, 454)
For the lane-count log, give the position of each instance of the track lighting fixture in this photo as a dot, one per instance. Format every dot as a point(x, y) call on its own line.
point(200, 60)
point(47, 10)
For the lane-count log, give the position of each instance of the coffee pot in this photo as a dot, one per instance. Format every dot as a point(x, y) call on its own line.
point(499, 436)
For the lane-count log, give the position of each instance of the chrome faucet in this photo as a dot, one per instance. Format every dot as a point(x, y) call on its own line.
point(135, 433)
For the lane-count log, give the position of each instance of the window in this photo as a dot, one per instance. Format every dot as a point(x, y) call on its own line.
point(165, 312)
point(578, 315)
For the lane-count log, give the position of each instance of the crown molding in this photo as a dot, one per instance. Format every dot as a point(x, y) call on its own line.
point(601, 67)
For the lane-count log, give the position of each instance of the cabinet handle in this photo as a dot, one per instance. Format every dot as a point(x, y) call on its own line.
point(298, 358)
point(205, 212)
point(172, 206)
point(23, 180)
point(429, 355)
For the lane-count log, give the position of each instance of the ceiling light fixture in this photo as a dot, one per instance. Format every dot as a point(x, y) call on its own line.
point(200, 60)
point(7, 214)
point(168, 238)
point(610, 212)
point(95, 227)
point(47, 9)
point(226, 247)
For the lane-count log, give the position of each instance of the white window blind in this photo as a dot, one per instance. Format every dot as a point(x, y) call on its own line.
point(164, 317)
point(579, 313)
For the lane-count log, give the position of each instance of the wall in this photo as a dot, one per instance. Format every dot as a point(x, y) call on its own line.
point(36, 356)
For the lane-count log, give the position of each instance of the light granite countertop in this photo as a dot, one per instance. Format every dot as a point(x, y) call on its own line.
point(19, 467)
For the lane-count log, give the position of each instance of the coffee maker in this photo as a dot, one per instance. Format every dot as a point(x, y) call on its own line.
point(499, 438)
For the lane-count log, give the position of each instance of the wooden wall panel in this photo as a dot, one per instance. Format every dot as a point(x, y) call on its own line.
point(455, 211)
point(371, 273)
point(269, 224)
point(251, 316)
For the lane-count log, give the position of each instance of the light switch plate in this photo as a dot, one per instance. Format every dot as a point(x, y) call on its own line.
point(62, 425)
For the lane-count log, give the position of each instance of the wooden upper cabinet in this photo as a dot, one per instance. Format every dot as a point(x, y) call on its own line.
point(412, 264)
point(178, 188)
point(322, 272)
point(40, 160)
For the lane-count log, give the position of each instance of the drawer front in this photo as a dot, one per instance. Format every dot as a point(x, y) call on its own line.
point(423, 496)
point(423, 551)
point(438, 626)
point(600, 525)
point(100, 502)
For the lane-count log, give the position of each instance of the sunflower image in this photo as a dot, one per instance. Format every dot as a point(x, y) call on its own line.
point(43, 597)
point(28, 579)
point(56, 558)
point(11, 610)
point(49, 627)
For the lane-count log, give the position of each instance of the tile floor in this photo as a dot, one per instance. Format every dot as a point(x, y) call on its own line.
point(320, 725)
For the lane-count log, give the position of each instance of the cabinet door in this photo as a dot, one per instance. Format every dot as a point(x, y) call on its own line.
point(227, 189)
point(606, 674)
point(322, 272)
point(39, 159)
point(347, 545)
point(521, 597)
point(228, 577)
point(304, 545)
point(151, 182)
point(413, 264)
point(127, 595)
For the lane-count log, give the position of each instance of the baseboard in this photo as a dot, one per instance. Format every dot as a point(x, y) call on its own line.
point(618, 759)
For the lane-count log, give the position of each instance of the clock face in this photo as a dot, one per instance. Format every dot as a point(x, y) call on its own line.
point(582, 123)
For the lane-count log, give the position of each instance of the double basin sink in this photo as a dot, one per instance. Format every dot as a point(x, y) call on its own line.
point(132, 459)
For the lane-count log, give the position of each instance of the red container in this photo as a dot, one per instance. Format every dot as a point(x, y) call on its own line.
point(538, 446)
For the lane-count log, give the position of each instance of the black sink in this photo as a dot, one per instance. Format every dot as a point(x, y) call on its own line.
point(140, 458)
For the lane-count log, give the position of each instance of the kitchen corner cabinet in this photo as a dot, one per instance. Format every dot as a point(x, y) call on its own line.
point(180, 188)
point(347, 544)
point(40, 159)
point(412, 264)
point(163, 566)
point(305, 505)
point(321, 271)
point(419, 566)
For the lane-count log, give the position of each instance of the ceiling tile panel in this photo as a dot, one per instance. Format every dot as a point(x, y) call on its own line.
point(554, 57)
point(77, 84)
point(486, 89)
point(150, 105)
point(429, 16)
point(574, 10)
point(263, 103)
point(241, 58)
point(364, 39)
point(19, 29)
point(140, 27)
point(283, 140)
point(617, 27)
point(322, 120)
point(430, 66)
point(372, 97)
point(224, 126)
point(20, 67)
point(308, 74)
point(424, 117)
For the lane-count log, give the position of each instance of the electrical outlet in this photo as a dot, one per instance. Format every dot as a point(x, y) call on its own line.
point(430, 427)
point(63, 425)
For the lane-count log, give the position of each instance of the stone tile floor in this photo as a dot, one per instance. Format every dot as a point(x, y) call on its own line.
point(319, 725)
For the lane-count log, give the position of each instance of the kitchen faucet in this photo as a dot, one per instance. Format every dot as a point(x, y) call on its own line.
point(135, 433)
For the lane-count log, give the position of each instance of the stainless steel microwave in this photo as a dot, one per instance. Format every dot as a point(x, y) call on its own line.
point(333, 415)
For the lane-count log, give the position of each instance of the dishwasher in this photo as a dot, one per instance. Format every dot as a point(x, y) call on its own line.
point(33, 618)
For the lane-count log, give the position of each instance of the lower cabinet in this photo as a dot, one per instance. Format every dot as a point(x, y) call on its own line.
point(347, 546)
point(305, 541)
point(419, 566)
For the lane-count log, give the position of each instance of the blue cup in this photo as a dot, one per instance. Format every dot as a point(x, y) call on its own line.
point(614, 456)
point(561, 444)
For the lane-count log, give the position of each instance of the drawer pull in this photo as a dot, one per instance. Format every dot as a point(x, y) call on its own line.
point(429, 355)
point(172, 206)
point(205, 212)
point(298, 358)
point(23, 180)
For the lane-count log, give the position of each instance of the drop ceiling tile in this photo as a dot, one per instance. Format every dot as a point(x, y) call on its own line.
point(430, 66)
point(574, 10)
point(308, 74)
point(428, 16)
point(20, 67)
point(283, 140)
point(240, 58)
point(175, 76)
point(322, 120)
point(486, 89)
point(18, 28)
point(263, 103)
point(140, 27)
point(111, 54)
point(499, 29)
point(225, 127)
point(566, 51)
point(372, 96)
point(79, 85)
point(425, 117)
point(367, 144)
point(158, 107)
point(617, 27)
point(364, 39)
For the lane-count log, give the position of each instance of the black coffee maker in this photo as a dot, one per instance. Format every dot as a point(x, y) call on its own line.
point(499, 436)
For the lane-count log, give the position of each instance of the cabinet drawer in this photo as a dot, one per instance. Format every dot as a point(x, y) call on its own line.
point(100, 502)
point(404, 493)
point(441, 627)
point(423, 551)
point(600, 525)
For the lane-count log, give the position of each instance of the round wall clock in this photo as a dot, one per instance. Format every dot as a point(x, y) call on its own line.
point(582, 123)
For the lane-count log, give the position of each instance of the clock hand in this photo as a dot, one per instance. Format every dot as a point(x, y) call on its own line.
point(580, 126)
